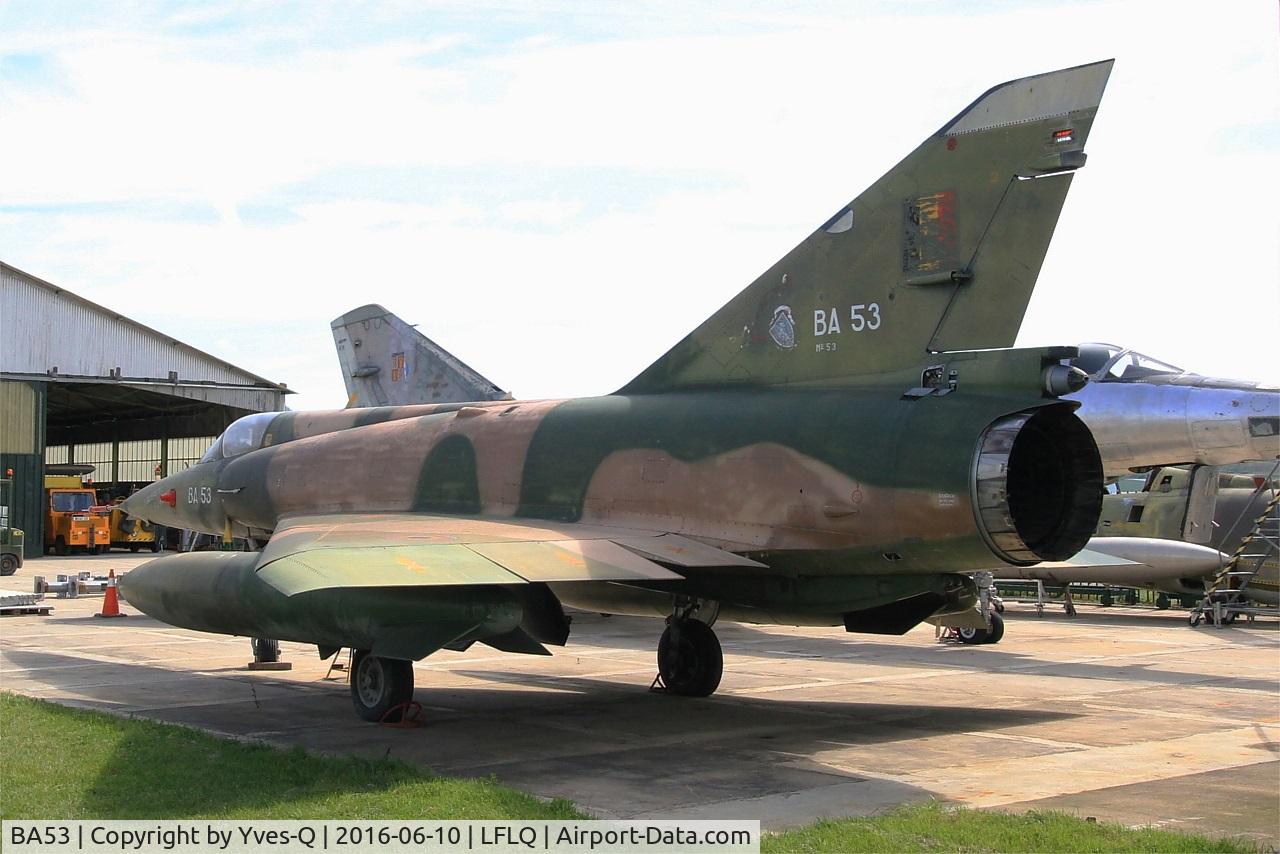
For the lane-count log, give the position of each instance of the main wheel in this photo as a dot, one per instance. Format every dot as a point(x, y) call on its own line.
point(8, 564)
point(265, 649)
point(997, 629)
point(155, 544)
point(1162, 602)
point(60, 546)
point(379, 685)
point(690, 659)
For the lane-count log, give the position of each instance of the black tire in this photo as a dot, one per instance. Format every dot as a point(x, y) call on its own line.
point(997, 629)
point(973, 636)
point(133, 547)
point(1162, 602)
point(8, 564)
point(378, 685)
point(690, 659)
point(265, 649)
point(1106, 600)
point(97, 550)
point(155, 545)
point(60, 547)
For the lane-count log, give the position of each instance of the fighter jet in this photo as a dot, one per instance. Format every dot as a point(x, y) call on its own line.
point(1172, 536)
point(1145, 413)
point(1199, 505)
point(838, 445)
point(386, 362)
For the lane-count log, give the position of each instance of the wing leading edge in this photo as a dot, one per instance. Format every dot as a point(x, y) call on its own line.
point(310, 553)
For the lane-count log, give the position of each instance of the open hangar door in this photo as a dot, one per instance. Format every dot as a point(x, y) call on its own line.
point(81, 384)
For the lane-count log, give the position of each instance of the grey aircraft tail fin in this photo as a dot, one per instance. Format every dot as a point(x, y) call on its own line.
point(387, 362)
point(939, 254)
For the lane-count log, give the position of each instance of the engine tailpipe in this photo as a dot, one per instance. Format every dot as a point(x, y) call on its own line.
point(1037, 485)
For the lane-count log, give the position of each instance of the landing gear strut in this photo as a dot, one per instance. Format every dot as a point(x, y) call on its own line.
point(380, 685)
point(690, 662)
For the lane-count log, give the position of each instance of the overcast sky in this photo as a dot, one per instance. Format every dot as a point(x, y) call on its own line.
point(558, 192)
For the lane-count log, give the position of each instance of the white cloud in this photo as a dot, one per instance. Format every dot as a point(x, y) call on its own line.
point(747, 136)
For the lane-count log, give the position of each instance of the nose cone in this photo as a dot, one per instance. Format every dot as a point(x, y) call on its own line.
point(189, 499)
point(156, 502)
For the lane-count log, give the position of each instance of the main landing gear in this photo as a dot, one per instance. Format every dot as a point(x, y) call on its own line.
point(991, 635)
point(690, 662)
point(380, 687)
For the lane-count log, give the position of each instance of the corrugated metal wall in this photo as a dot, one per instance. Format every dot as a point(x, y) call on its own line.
point(19, 407)
point(22, 414)
point(83, 339)
point(138, 460)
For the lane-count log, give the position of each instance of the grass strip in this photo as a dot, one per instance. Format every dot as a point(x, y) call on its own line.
point(61, 763)
point(935, 827)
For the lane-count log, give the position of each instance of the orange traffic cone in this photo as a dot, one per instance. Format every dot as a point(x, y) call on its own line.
point(111, 604)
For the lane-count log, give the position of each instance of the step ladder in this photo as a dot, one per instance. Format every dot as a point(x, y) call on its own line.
point(1228, 595)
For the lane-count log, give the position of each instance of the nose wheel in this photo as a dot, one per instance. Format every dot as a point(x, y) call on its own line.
point(380, 685)
point(690, 661)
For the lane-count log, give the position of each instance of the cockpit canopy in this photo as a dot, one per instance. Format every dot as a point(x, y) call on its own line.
point(244, 435)
point(1109, 363)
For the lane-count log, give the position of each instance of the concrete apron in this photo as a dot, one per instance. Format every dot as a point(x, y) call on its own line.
point(1125, 714)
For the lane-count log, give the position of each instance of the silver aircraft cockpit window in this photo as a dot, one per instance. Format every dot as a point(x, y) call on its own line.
point(1132, 366)
point(245, 434)
point(214, 452)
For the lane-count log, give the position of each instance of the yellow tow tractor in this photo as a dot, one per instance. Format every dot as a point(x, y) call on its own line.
point(130, 533)
point(70, 522)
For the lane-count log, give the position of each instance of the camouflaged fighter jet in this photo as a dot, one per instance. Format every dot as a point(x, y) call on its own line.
point(386, 362)
point(838, 445)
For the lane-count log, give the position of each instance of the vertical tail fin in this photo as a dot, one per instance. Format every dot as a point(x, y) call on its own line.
point(941, 253)
point(386, 362)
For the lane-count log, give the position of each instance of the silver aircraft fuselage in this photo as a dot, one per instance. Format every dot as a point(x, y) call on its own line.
point(1144, 413)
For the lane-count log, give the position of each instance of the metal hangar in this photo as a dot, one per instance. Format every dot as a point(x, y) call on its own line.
point(82, 384)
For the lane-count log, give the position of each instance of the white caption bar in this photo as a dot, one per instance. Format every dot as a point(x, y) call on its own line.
point(194, 836)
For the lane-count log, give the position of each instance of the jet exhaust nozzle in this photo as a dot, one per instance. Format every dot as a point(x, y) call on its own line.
point(1037, 485)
